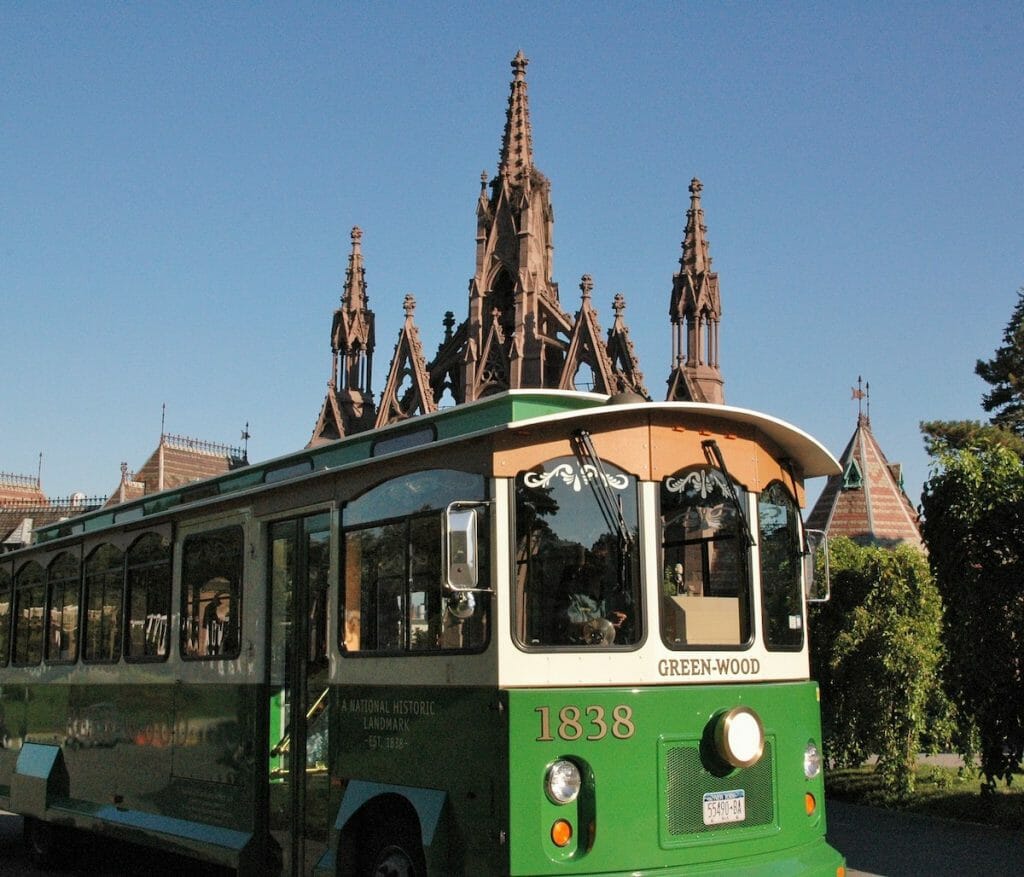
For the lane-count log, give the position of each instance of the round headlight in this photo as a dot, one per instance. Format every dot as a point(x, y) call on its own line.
point(563, 782)
point(739, 737)
point(812, 760)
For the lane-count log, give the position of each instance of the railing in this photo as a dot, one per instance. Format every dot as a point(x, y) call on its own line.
point(8, 479)
point(185, 443)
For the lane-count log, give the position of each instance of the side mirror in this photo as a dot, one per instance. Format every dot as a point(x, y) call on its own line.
point(816, 587)
point(461, 558)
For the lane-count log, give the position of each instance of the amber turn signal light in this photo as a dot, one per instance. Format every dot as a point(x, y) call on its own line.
point(810, 805)
point(561, 833)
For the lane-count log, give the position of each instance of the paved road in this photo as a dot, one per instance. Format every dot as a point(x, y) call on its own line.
point(893, 844)
point(875, 842)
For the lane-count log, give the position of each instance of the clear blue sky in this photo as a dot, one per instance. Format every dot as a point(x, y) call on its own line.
point(178, 182)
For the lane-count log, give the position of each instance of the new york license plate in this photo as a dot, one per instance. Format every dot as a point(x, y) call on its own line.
point(722, 807)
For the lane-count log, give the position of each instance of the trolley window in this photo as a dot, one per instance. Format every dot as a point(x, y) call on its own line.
point(64, 585)
point(104, 594)
point(394, 597)
point(148, 584)
point(781, 565)
point(211, 594)
point(5, 614)
point(576, 575)
point(705, 565)
point(29, 600)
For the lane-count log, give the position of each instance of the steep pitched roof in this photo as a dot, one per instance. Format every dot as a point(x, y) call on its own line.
point(24, 507)
point(866, 502)
point(177, 460)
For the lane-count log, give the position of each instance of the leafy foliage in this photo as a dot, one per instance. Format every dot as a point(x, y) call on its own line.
point(974, 529)
point(877, 654)
point(944, 435)
point(1005, 373)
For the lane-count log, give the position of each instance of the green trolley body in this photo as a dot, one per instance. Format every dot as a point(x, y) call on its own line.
point(651, 780)
point(543, 633)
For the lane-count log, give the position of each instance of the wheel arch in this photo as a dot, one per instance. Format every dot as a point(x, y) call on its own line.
point(370, 810)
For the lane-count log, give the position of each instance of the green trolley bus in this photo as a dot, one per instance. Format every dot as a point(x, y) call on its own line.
point(542, 633)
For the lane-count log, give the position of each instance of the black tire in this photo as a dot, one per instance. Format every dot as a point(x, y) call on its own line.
point(47, 844)
point(392, 856)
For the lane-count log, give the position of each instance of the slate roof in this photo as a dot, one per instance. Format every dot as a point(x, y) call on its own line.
point(866, 502)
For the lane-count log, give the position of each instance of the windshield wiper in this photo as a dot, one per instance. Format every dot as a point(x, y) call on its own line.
point(611, 508)
point(715, 458)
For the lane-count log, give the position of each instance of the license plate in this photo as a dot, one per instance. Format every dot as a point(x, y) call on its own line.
point(722, 807)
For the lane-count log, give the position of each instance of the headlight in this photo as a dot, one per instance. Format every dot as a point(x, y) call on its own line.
point(563, 782)
point(739, 737)
point(812, 760)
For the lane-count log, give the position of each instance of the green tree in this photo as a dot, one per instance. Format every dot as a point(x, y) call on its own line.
point(974, 529)
point(877, 654)
point(943, 435)
point(1005, 373)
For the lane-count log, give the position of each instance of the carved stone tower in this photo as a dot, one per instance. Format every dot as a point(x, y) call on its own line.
point(348, 406)
point(695, 310)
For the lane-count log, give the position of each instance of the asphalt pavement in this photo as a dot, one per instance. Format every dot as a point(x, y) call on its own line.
point(894, 844)
point(875, 842)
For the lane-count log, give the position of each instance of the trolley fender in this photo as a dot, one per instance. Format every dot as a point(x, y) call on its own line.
point(40, 778)
point(428, 804)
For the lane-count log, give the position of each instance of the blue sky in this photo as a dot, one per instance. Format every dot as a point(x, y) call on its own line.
point(179, 181)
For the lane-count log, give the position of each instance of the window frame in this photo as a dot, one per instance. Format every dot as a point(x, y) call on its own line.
point(107, 571)
point(796, 584)
point(18, 588)
point(746, 615)
point(578, 474)
point(6, 619)
point(75, 556)
point(234, 626)
point(462, 490)
point(168, 562)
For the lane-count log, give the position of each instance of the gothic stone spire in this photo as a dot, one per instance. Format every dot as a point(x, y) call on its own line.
point(348, 406)
point(695, 310)
point(514, 254)
point(408, 391)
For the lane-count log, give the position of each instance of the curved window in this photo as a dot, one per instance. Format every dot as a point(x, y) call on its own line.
point(5, 614)
point(211, 592)
point(148, 585)
point(705, 567)
point(104, 592)
point(393, 597)
point(63, 583)
point(576, 576)
point(781, 567)
point(29, 602)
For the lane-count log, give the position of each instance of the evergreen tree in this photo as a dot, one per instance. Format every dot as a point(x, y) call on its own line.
point(1005, 373)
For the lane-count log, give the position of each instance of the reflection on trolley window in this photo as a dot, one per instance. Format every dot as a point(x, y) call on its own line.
point(705, 567)
point(211, 591)
point(394, 598)
point(576, 578)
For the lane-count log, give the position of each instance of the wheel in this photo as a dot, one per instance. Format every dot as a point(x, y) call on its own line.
point(46, 844)
point(394, 855)
point(392, 860)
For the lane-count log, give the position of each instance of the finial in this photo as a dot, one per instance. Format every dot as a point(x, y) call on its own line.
point(586, 286)
point(449, 323)
point(409, 305)
point(860, 395)
point(357, 234)
point(619, 305)
point(696, 187)
point(483, 180)
point(519, 63)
